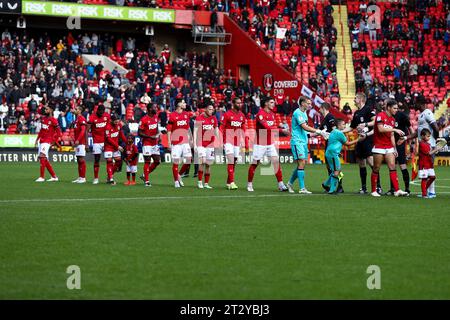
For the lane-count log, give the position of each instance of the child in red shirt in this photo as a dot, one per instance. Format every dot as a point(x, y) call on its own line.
point(131, 160)
point(426, 165)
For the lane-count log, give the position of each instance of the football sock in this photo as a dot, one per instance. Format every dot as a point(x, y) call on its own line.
point(279, 174)
point(251, 172)
point(82, 168)
point(79, 168)
point(363, 177)
point(423, 186)
point(294, 176)
point(42, 161)
point(405, 175)
point(334, 183)
point(394, 179)
point(340, 184)
point(133, 175)
point(301, 178)
point(174, 172)
point(50, 168)
point(431, 188)
point(128, 176)
point(109, 168)
point(207, 176)
point(230, 169)
point(196, 169)
point(146, 170)
point(430, 182)
point(153, 166)
point(96, 169)
point(373, 181)
point(117, 165)
point(200, 175)
point(185, 168)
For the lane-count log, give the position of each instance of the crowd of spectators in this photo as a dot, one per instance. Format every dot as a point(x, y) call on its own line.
point(402, 32)
point(34, 71)
point(312, 34)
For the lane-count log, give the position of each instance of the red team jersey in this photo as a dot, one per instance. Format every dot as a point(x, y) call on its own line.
point(383, 140)
point(149, 126)
point(112, 135)
point(80, 129)
point(425, 159)
point(265, 128)
point(206, 128)
point(232, 122)
point(179, 127)
point(49, 130)
point(98, 126)
point(132, 154)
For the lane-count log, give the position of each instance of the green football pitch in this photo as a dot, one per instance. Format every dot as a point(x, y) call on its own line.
point(166, 243)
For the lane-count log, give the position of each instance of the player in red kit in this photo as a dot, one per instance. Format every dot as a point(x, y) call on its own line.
point(112, 154)
point(132, 155)
point(385, 147)
point(79, 143)
point(179, 136)
point(149, 132)
point(98, 122)
point(266, 131)
point(233, 131)
point(48, 135)
point(205, 133)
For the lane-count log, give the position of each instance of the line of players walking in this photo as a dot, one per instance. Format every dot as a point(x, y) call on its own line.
point(381, 136)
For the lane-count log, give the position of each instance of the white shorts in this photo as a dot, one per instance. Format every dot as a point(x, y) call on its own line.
point(151, 150)
point(260, 151)
point(181, 150)
point(111, 154)
point(425, 173)
point(231, 149)
point(205, 152)
point(44, 148)
point(97, 148)
point(383, 151)
point(80, 150)
point(132, 169)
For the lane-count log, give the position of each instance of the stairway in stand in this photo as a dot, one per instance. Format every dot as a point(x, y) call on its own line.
point(442, 107)
point(344, 68)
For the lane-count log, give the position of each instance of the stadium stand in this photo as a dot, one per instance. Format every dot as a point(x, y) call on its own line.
point(307, 50)
point(34, 72)
point(408, 57)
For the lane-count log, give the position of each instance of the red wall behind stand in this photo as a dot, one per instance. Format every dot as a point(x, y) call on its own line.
point(244, 51)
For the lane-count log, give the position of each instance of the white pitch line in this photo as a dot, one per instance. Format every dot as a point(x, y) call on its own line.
point(159, 198)
point(182, 197)
point(417, 183)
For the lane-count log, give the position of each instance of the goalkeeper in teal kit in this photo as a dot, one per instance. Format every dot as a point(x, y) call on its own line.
point(335, 142)
point(299, 143)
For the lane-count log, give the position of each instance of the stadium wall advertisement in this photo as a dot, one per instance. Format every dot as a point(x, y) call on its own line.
point(59, 9)
point(21, 155)
point(17, 140)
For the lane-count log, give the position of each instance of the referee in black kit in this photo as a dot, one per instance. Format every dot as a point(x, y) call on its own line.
point(364, 120)
point(402, 123)
point(328, 124)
